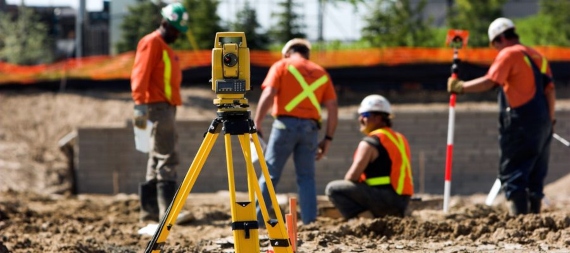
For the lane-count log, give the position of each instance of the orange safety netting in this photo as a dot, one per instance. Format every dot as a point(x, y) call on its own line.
point(119, 67)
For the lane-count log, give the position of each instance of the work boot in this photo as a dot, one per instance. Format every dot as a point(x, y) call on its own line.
point(165, 193)
point(518, 203)
point(148, 200)
point(535, 204)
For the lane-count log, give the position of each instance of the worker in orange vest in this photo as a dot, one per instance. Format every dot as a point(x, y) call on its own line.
point(380, 177)
point(296, 88)
point(155, 84)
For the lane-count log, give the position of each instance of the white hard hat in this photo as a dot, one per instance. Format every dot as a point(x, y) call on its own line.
point(498, 26)
point(296, 41)
point(375, 103)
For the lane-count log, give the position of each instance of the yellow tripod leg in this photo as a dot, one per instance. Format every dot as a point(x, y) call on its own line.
point(167, 222)
point(244, 222)
point(278, 236)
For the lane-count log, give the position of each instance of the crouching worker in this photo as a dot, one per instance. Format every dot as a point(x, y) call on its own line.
point(380, 177)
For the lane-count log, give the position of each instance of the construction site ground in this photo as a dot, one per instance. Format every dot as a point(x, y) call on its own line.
point(38, 213)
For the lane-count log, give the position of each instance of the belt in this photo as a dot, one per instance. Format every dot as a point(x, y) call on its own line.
point(293, 117)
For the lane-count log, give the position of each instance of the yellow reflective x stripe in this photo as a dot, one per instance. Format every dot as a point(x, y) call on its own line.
point(167, 75)
point(405, 168)
point(543, 67)
point(378, 181)
point(307, 90)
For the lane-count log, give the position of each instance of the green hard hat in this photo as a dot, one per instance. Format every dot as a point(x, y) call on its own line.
point(176, 15)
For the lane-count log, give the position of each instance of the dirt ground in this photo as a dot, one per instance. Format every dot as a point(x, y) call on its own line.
point(37, 213)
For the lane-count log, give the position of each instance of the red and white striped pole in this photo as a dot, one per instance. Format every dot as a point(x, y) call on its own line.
point(449, 153)
point(457, 39)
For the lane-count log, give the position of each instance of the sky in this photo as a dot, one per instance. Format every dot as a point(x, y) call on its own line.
point(341, 20)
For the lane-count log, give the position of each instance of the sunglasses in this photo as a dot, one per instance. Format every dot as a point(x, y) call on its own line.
point(366, 114)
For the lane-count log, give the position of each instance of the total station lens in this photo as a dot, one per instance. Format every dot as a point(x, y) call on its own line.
point(230, 59)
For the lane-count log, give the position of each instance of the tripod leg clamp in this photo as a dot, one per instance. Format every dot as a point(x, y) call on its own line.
point(245, 225)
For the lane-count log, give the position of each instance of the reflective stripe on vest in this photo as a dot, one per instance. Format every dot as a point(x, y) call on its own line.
point(405, 168)
point(543, 67)
point(378, 181)
point(167, 75)
point(307, 90)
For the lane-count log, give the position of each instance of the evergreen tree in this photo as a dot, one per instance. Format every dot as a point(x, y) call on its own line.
point(289, 23)
point(247, 23)
point(203, 24)
point(475, 16)
point(23, 39)
point(398, 24)
point(143, 18)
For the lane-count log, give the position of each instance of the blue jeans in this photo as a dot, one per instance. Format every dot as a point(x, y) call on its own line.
point(298, 137)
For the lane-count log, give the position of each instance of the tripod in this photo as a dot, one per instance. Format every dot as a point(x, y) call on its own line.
point(244, 221)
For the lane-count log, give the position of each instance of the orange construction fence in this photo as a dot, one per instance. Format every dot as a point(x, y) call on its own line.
point(119, 66)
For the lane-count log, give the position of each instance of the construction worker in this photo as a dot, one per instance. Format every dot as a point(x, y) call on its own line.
point(155, 84)
point(379, 181)
point(526, 119)
point(297, 89)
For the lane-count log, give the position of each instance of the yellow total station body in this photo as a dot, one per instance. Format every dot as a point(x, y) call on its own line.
point(230, 70)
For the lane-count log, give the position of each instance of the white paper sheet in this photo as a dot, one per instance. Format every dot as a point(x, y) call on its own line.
point(142, 137)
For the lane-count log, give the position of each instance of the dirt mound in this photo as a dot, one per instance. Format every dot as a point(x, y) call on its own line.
point(90, 223)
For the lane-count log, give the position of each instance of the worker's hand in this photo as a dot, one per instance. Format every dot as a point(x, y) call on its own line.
point(454, 85)
point(140, 116)
point(323, 149)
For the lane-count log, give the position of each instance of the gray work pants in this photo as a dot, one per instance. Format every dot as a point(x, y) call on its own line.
point(352, 198)
point(162, 158)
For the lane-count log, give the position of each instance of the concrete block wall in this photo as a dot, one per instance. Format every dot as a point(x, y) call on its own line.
point(107, 161)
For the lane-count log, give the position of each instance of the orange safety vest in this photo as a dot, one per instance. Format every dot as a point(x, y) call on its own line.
point(399, 175)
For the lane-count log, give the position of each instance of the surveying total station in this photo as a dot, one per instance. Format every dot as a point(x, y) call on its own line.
point(230, 81)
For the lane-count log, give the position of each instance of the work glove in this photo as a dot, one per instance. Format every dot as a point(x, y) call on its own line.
point(140, 116)
point(454, 85)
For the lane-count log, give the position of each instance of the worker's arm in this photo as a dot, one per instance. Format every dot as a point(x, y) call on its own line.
point(263, 106)
point(332, 121)
point(364, 154)
point(478, 85)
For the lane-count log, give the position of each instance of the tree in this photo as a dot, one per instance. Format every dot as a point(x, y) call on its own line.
point(548, 27)
point(289, 23)
point(475, 16)
point(143, 18)
point(23, 39)
point(398, 24)
point(203, 24)
point(247, 23)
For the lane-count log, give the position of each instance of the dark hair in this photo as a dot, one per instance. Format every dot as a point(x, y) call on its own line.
point(385, 117)
point(300, 48)
point(508, 34)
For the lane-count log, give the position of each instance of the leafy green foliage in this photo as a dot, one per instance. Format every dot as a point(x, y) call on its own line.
point(143, 18)
point(247, 23)
point(475, 16)
point(23, 39)
point(398, 24)
point(289, 23)
point(548, 27)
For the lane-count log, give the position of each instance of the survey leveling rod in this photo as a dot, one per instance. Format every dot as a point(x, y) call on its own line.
point(456, 39)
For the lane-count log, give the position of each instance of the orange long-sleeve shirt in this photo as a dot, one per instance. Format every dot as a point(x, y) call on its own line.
point(156, 74)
